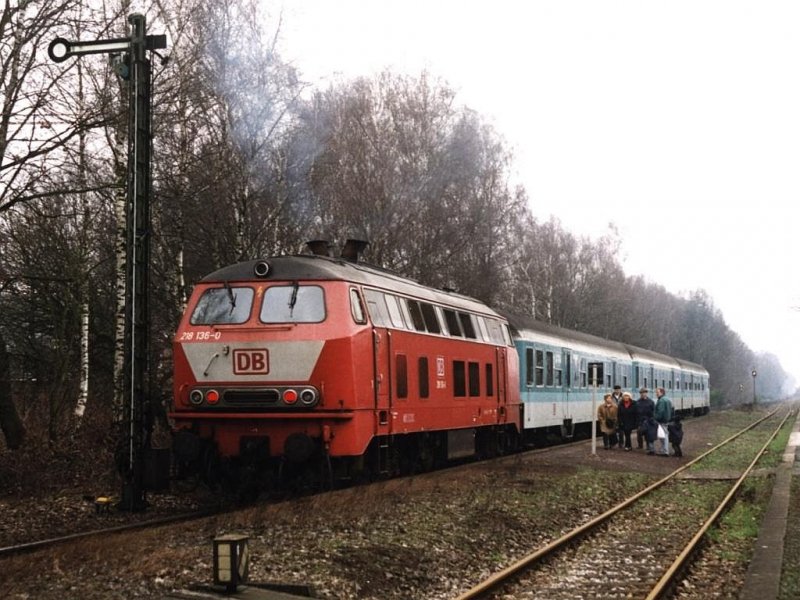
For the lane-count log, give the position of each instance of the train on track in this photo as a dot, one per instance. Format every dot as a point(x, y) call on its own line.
point(311, 367)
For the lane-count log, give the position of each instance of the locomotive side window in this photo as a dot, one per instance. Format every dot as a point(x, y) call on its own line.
point(223, 305)
point(489, 380)
point(474, 379)
point(482, 327)
point(467, 325)
point(452, 322)
point(394, 311)
point(376, 305)
point(424, 388)
point(429, 315)
point(293, 304)
point(459, 379)
point(356, 307)
point(401, 375)
point(406, 315)
point(416, 315)
point(495, 331)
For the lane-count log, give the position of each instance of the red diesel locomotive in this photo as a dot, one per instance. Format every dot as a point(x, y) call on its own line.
point(316, 365)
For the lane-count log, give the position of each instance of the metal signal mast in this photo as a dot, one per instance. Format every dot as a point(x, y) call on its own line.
point(131, 63)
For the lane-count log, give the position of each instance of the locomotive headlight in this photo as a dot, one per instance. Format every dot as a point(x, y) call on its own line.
point(212, 396)
point(308, 396)
point(196, 397)
point(290, 396)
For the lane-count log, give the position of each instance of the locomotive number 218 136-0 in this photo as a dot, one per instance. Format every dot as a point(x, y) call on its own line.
point(200, 336)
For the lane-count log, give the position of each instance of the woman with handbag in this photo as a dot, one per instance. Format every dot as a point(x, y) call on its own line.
point(607, 415)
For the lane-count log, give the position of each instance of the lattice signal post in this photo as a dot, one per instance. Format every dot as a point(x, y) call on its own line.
point(131, 62)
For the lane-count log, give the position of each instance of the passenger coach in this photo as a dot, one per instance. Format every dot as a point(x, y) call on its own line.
point(556, 388)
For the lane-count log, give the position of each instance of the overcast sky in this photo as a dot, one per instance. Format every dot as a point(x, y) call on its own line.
point(678, 121)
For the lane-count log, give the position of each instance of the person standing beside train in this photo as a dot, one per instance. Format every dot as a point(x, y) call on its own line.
point(646, 430)
point(616, 395)
point(663, 414)
point(607, 415)
point(628, 419)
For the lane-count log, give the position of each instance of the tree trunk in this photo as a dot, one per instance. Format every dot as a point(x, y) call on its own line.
point(83, 395)
point(10, 422)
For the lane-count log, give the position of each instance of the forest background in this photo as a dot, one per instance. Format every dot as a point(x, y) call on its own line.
point(250, 161)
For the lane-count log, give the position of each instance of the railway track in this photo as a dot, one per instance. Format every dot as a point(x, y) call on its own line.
point(22, 548)
point(636, 549)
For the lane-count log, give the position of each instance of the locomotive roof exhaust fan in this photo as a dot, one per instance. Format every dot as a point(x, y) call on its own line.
point(319, 247)
point(353, 249)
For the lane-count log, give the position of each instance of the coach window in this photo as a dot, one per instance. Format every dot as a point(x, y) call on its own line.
point(452, 322)
point(583, 373)
point(459, 379)
point(293, 304)
point(557, 370)
point(549, 367)
point(539, 368)
point(223, 305)
point(529, 366)
point(429, 315)
point(401, 375)
point(422, 368)
point(474, 379)
point(489, 380)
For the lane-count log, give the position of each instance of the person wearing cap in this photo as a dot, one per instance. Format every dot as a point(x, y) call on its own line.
point(617, 397)
point(627, 417)
point(645, 407)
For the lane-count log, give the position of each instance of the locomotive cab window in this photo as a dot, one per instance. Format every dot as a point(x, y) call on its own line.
point(223, 305)
point(356, 307)
point(293, 304)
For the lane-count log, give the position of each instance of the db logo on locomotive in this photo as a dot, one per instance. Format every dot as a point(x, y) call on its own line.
point(250, 362)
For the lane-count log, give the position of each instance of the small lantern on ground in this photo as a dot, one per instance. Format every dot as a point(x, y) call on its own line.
point(231, 561)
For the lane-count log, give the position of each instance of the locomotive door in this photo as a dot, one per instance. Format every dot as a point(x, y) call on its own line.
point(502, 371)
point(382, 352)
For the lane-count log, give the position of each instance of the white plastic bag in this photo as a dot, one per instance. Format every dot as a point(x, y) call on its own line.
point(662, 432)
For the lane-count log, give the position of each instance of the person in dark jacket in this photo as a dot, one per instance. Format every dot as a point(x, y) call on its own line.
point(645, 408)
point(663, 415)
point(616, 395)
point(675, 429)
point(627, 417)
